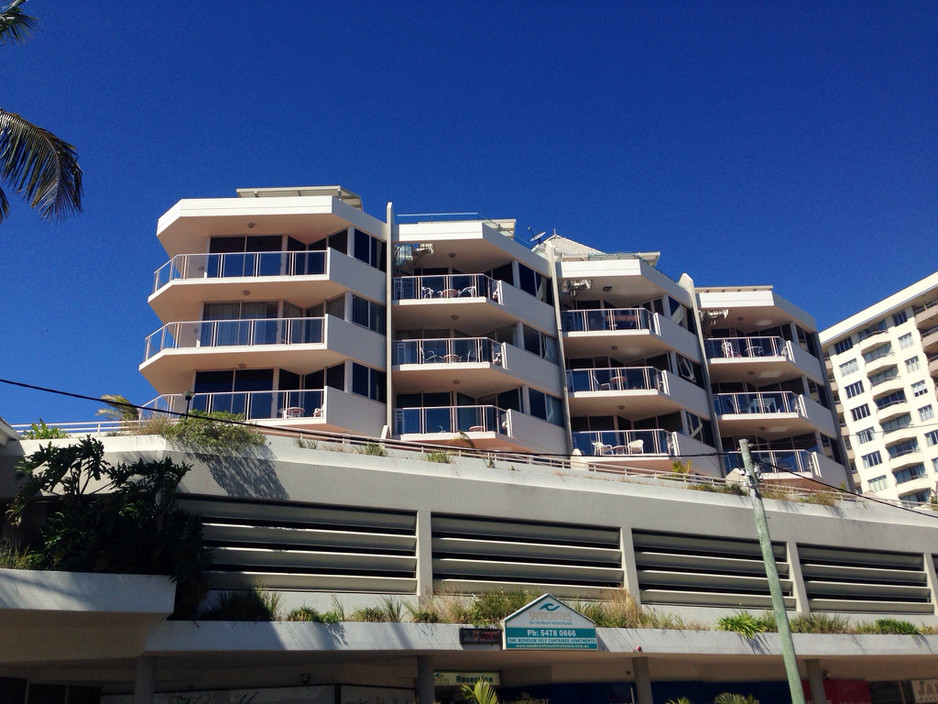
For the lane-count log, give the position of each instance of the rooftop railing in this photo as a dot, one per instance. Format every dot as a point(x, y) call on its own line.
point(239, 264)
point(438, 287)
point(448, 351)
point(616, 379)
point(227, 333)
point(451, 419)
point(605, 319)
point(732, 347)
point(604, 443)
point(758, 402)
point(776, 461)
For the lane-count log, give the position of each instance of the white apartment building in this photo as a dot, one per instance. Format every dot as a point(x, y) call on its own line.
point(295, 307)
point(883, 363)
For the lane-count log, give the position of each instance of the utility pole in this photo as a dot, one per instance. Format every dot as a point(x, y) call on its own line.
point(771, 572)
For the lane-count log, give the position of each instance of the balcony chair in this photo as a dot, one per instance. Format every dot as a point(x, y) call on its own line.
point(468, 291)
point(317, 413)
point(636, 447)
point(600, 448)
point(728, 351)
point(426, 292)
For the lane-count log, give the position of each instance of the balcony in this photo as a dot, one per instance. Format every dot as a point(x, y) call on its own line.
point(872, 340)
point(177, 350)
point(631, 332)
point(926, 316)
point(759, 359)
point(484, 427)
point(778, 462)
point(326, 409)
point(304, 278)
point(933, 365)
point(771, 414)
point(892, 406)
point(930, 340)
point(879, 360)
point(647, 391)
point(479, 302)
point(616, 443)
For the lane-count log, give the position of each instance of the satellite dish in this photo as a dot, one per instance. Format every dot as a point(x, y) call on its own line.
point(538, 236)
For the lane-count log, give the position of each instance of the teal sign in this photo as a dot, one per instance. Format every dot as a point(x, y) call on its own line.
point(549, 624)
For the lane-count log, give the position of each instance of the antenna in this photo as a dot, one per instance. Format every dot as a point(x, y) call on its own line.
point(538, 236)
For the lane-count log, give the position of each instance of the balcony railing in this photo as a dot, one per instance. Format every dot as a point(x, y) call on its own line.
point(448, 351)
point(731, 347)
point(599, 320)
point(616, 379)
point(624, 442)
point(253, 405)
point(760, 402)
point(451, 419)
point(248, 264)
point(801, 461)
point(227, 333)
point(410, 288)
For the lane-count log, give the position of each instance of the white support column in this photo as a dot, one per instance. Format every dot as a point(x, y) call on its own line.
point(797, 580)
point(425, 690)
point(629, 567)
point(816, 681)
point(424, 556)
point(144, 682)
point(642, 680)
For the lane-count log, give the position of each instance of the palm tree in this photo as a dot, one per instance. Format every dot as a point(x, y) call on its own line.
point(39, 166)
point(480, 693)
point(118, 408)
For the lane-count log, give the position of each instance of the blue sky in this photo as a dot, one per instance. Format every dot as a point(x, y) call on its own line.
point(792, 144)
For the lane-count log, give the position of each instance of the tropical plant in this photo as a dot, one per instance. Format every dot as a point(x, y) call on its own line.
point(820, 623)
point(491, 607)
point(118, 408)
point(255, 604)
point(105, 518)
point(39, 166)
point(890, 625)
point(219, 430)
point(41, 431)
point(306, 613)
point(743, 623)
point(732, 698)
point(481, 692)
point(679, 700)
point(372, 448)
point(441, 456)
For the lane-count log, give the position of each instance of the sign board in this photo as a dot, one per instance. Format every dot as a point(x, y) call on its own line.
point(549, 624)
point(924, 691)
point(458, 679)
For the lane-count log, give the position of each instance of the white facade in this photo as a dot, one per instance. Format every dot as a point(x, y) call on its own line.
point(883, 362)
point(295, 308)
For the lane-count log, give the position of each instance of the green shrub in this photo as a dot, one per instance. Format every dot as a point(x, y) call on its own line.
point(255, 604)
point(441, 456)
point(305, 613)
point(371, 614)
point(304, 443)
point(820, 623)
point(732, 698)
point(373, 448)
point(13, 559)
point(890, 626)
point(491, 607)
point(41, 431)
point(219, 430)
point(743, 623)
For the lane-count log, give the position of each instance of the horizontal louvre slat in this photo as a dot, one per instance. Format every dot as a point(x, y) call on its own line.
point(444, 526)
point(502, 549)
point(860, 558)
point(878, 592)
point(704, 563)
point(876, 607)
point(708, 582)
point(306, 537)
point(558, 589)
point(688, 544)
point(712, 599)
point(525, 571)
point(312, 582)
point(259, 558)
point(869, 574)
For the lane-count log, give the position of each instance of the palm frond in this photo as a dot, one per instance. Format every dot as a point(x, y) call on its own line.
point(41, 167)
point(118, 408)
point(14, 25)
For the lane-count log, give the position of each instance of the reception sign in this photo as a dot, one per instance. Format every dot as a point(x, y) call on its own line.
point(548, 624)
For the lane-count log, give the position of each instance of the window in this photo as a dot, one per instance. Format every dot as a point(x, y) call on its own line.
point(368, 382)
point(912, 364)
point(926, 412)
point(872, 459)
point(540, 344)
point(931, 438)
point(860, 412)
point(919, 497)
point(369, 250)
point(879, 352)
point(854, 389)
point(919, 388)
point(368, 314)
point(884, 376)
point(903, 448)
point(905, 340)
point(878, 483)
point(849, 367)
point(890, 399)
point(873, 329)
point(865, 436)
point(908, 474)
point(903, 421)
point(545, 407)
point(843, 346)
point(900, 317)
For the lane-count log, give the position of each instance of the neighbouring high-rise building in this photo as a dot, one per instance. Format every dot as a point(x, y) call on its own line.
point(883, 363)
point(295, 307)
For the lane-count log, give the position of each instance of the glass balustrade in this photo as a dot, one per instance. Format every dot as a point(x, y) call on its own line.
point(615, 379)
point(730, 347)
point(598, 320)
point(448, 350)
point(759, 402)
point(241, 264)
point(803, 461)
point(224, 333)
point(624, 442)
point(253, 405)
point(451, 419)
point(408, 288)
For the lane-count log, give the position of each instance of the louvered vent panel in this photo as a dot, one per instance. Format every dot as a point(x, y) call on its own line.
point(308, 547)
point(675, 568)
point(475, 554)
point(844, 579)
